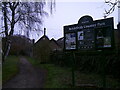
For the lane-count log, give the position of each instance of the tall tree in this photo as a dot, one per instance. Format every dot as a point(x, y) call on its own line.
point(25, 14)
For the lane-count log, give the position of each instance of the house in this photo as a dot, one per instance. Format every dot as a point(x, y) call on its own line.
point(43, 48)
point(54, 45)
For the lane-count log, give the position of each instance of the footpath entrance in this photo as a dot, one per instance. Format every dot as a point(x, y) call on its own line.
point(28, 76)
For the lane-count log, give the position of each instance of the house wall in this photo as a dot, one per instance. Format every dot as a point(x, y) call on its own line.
point(54, 46)
point(61, 43)
point(42, 50)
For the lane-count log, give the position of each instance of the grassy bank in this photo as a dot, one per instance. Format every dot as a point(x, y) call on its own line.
point(61, 77)
point(9, 68)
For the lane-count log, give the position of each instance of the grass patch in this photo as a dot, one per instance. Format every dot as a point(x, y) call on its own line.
point(57, 76)
point(96, 80)
point(61, 77)
point(9, 68)
point(33, 61)
point(54, 74)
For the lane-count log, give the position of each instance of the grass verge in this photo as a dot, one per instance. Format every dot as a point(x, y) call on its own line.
point(61, 77)
point(33, 61)
point(54, 74)
point(9, 68)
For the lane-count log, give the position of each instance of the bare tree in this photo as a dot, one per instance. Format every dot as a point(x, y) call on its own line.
point(112, 7)
point(24, 14)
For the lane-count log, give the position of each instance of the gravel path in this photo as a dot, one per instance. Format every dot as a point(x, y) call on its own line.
point(28, 77)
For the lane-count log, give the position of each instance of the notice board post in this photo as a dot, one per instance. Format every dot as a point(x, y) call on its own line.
point(103, 68)
point(73, 69)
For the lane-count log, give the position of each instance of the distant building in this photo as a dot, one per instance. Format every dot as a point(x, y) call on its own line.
point(54, 45)
point(43, 48)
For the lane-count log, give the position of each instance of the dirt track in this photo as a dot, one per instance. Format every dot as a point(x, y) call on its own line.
point(28, 77)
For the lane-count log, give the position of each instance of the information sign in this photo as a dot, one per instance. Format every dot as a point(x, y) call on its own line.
point(70, 41)
point(89, 34)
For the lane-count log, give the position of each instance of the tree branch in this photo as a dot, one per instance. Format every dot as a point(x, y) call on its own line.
point(18, 18)
point(8, 19)
point(2, 32)
point(10, 5)
point(107, 13)
point(16, 5)
point(5, 18)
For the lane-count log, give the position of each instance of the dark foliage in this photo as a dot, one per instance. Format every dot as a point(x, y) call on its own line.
point(20, 45)
point(90, 62)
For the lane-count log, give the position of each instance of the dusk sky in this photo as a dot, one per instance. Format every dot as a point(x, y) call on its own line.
point(68, 13)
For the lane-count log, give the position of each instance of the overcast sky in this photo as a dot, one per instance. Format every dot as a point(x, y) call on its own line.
point(68, 13)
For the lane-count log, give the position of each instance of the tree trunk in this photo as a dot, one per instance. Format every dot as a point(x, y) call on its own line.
point(6, 49)
point(8, 34)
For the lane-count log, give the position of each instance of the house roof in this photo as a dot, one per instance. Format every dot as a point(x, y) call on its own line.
point(44, 36)
point(53, 41)
point(60, 39)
